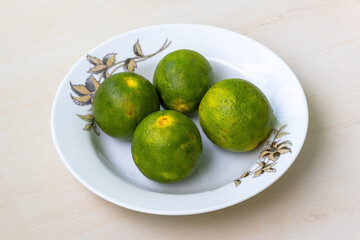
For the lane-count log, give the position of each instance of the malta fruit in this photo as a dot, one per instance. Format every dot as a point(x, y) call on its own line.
point(166, 146)
point(236, 115)
point(122, 101)
point(182, 78)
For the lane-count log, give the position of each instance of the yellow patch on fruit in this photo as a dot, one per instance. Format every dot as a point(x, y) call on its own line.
point(164, 121)
point(131, 82)
point(180, 106)
point(169, 175)
point(213, 100)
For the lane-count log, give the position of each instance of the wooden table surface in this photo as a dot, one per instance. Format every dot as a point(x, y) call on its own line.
point(318, 198)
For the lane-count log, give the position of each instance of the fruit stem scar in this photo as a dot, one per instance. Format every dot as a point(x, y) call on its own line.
point(180, 105)
point(163, 121)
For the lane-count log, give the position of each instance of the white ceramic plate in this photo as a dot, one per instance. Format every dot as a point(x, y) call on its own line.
point(104, 164)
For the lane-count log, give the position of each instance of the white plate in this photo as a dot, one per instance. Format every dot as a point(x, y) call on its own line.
point(104, 164)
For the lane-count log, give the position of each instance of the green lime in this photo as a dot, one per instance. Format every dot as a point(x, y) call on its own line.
point(166, 146)
point(122, 101)
point(181, 79)
point(236, 115)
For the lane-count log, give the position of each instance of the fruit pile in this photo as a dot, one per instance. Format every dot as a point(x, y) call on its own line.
point(166, 145)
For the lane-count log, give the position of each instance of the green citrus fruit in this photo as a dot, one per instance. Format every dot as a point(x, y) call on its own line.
point(236, 115)
point(166, 146)
point(122, 101)
point(181, 79)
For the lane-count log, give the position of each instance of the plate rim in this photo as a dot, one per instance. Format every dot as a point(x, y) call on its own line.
point(170, 212)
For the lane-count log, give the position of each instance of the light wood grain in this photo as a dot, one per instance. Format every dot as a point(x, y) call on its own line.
point(318, 198)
